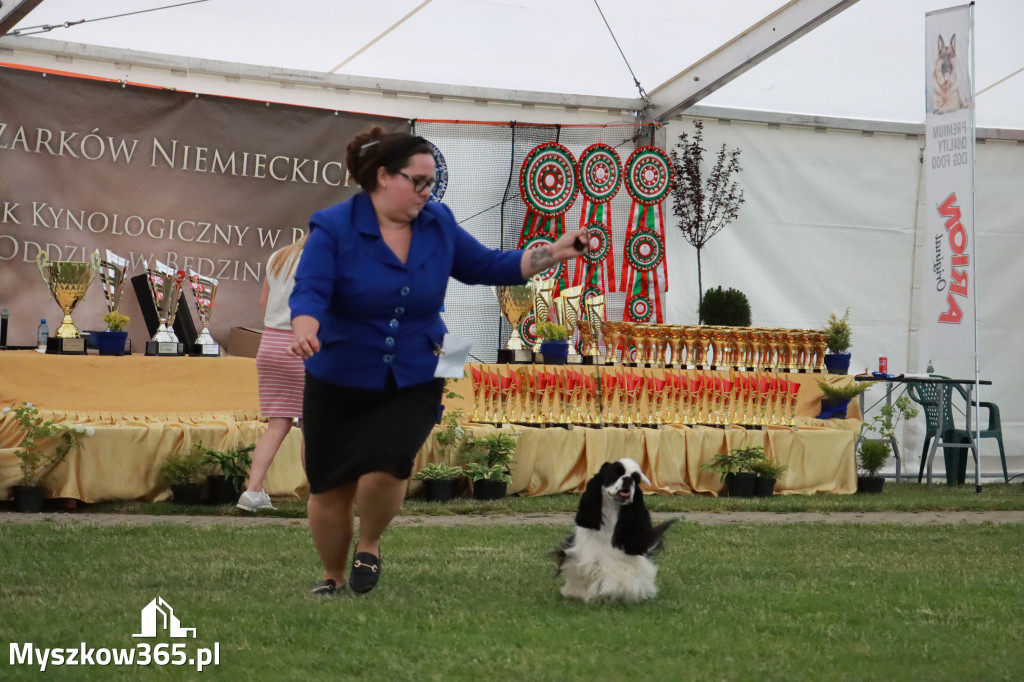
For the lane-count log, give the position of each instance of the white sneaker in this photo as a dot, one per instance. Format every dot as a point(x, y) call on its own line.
point(254, 501)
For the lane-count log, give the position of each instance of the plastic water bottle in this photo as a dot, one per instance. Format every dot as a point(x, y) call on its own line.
point(42, 333)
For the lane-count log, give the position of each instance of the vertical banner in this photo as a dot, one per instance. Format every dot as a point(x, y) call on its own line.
point(949, 169)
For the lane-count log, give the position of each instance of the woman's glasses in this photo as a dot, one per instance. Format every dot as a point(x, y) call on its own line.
point(420, 183)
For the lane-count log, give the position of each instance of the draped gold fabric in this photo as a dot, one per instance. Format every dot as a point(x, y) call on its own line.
point(145, 408)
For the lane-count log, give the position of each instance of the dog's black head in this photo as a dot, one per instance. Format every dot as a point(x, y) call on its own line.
point(617, 482)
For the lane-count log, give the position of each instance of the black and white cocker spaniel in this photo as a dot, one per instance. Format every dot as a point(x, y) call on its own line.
point(608, 555)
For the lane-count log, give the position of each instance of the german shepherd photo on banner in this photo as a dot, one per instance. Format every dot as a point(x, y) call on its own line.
point(950, 92)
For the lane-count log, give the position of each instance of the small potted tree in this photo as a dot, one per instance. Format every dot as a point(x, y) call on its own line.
point(112, 341)
point(836, 399)
point(487, 464)
point(726, 308)
point(182, 472)
point(735, 469)
point(554, 344)
point(35, 455)
point(440, 481)
point(873, 453)
point(838, 337)
point(768, 473)
point(233, 464)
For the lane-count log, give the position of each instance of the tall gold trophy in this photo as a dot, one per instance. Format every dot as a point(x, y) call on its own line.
point(165, 286)
point(515, 302)
point(204, 289)
point(595, 320)
point(68, 281)
point(569, 312)
point(543, 291)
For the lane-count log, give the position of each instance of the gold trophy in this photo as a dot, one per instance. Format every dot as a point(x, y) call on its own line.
point(515, 302)
point(68, 281)
point(611, 332)
point(595, 321)
point(543, 290)
point(569, 312)
point(204, 289)
point(165, 287)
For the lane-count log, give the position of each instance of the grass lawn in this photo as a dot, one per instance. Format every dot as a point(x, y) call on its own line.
point(737, 602)
point(902, 497)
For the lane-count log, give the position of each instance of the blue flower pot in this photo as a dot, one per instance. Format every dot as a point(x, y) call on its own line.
point(109, 343)
point(837, 363)
point(555, 352)
point(834, 409)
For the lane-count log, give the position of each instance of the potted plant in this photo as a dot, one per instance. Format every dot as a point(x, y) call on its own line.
point(234, 464)
point(727, 308)
point(35, 455)
point(112, 341)
point(837, 339)
point(554, 342)
point(734, 468)
point(835, 399)
point(873, 453)
point(768, 473)
point(488, 460)
point(181, 472)
point(440, 481)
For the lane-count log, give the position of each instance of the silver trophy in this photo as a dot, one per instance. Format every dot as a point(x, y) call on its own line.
point(204, 289)
point(165, 286)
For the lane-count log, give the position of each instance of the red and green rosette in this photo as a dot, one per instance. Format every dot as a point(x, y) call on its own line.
point(648, 177)
point(548, 183)
point(600, 180)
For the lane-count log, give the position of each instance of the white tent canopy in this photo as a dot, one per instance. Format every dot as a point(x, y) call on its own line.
point(830, 123)
point(860, 59)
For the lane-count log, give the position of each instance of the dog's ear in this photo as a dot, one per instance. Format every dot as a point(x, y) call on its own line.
point(588, 515)
point(633, 527)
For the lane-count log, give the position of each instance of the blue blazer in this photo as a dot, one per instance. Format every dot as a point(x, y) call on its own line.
point(377, 314)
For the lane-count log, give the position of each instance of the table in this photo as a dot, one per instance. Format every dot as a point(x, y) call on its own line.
point(946, 393)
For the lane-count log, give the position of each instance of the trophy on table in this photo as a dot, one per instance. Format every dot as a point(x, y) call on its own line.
point(204, 289)
point(515, 302)
point(165, 287)
point(113, 277)
point(543, 291)
point(569, 313)
point(68, 281)
point(595, 321)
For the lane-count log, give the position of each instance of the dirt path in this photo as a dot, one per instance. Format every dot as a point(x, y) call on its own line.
point(927, 518)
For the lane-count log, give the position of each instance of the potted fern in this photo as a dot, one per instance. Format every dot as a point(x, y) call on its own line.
point(233, 464)
point(836, 399)
point(182, 472)
point(554, 344)
point(838, 337)
point(440, 481)
point(112, 341)
point(735, 469)
point(768, 473)
point(487, 464)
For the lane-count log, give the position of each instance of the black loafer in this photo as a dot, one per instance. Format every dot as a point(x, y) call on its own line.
point(325, 588)
point(365, 572)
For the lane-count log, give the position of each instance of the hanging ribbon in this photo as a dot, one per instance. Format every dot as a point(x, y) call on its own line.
point(600, 179)
point(548, 184)
point(648, 176)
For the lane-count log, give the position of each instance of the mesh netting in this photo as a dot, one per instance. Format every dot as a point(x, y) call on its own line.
point(484, 161)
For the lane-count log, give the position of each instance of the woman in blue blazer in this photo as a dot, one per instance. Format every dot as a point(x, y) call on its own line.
point(366, 319)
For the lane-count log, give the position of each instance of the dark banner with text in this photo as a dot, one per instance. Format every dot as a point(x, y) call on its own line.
point(204, 184)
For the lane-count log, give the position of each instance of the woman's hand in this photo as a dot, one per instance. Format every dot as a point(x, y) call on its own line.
point(540, 258)
point(305, 344)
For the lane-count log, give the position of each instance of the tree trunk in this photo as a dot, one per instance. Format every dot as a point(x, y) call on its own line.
point(700, 288)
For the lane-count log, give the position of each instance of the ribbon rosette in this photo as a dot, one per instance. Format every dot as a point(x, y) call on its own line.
point(648, 177)
point(600, 174)
point(548, 184)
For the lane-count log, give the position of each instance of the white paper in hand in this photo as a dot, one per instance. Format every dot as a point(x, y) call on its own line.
point(452, 357)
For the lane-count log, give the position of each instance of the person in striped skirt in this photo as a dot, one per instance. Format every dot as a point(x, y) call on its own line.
point(281, 376)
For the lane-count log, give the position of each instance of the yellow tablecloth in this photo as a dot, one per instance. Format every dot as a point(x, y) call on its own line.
point(145, 408)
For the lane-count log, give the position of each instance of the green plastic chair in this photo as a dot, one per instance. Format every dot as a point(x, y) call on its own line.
point(927, 396)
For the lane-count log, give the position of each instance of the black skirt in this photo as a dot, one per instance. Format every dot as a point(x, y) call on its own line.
point(350, 432)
